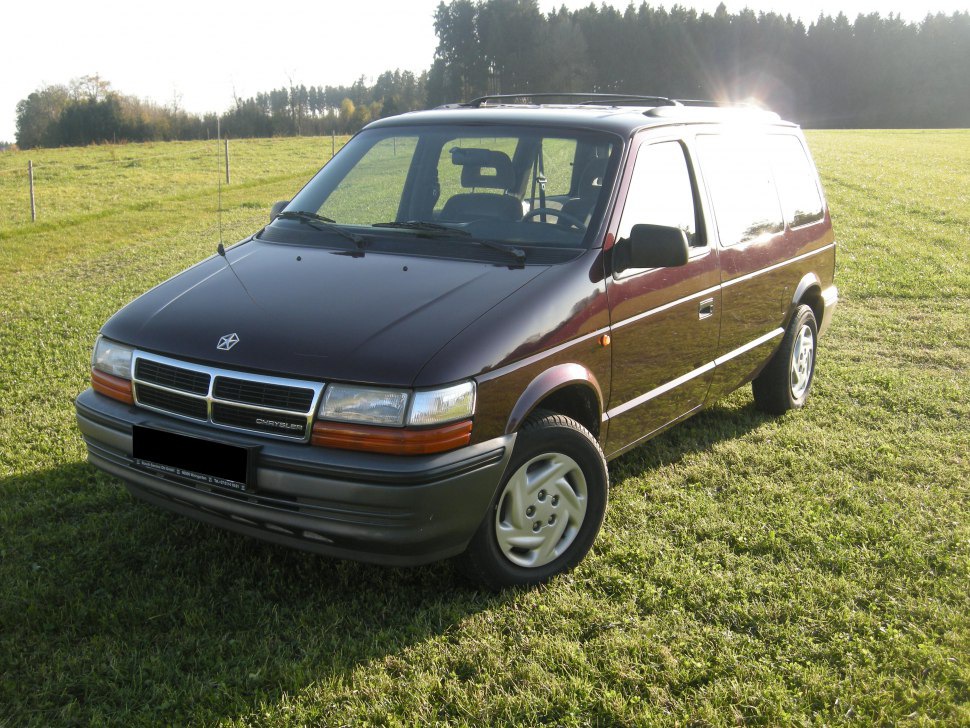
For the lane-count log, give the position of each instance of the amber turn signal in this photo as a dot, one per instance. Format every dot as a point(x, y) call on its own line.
point(391, 440)
point(111, 386)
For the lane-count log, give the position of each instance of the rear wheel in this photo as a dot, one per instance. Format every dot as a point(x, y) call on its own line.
point(548, 509)
point(785, 382)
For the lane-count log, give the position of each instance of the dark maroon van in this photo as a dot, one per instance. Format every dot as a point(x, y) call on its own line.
point(437, 345)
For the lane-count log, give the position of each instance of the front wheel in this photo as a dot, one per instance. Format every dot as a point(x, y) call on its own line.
point(785, 382)
point(548, 509)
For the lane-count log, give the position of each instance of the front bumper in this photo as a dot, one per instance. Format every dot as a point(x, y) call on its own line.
point(379, 508)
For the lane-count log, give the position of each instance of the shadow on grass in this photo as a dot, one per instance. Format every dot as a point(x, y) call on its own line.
point(115, 610)
point(724, 420)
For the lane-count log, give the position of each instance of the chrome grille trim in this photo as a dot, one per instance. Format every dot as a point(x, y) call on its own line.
point(183, 380)
point(209, 398)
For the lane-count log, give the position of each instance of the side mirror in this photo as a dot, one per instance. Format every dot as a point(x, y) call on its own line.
point(651, 246)
point(277, 209)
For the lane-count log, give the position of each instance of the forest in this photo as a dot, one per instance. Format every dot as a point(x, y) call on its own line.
point(872, 72)
point(89, 111)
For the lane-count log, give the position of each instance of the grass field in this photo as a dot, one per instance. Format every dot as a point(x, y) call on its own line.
point(811, 569)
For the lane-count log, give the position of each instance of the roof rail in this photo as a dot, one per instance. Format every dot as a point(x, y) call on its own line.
point(714, 111)
point(709, 102)
point(585, 99)
point(660, 106)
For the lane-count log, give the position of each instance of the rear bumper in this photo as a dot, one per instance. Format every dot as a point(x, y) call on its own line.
point(378, 508)
point(830, 298)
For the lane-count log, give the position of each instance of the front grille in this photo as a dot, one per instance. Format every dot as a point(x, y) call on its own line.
point(275, 423)
point(292, 399)
point(171, 402)
point(233, 400)
point(185, 380)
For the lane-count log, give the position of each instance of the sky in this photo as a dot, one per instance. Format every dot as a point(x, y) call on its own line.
point(202, 54)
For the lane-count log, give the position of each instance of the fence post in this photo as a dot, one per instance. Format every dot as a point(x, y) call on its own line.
point(333, 143)
point(30, 174)
point(227, 160)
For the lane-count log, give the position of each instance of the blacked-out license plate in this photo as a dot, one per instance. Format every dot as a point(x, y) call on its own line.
point(194, 458)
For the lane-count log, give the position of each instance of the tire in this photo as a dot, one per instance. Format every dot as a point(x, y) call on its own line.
point(785, 382)
point(548, 509)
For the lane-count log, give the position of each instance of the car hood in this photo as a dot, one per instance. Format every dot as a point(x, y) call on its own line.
point(316, 313)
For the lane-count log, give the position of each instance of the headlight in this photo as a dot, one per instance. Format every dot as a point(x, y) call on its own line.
point(368, 405)
point(378, 406)
point(436, 406)
point(112, 358)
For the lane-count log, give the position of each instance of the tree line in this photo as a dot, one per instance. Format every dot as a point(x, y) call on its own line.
point(89, 111)
point(301, 110)
point(874, 71)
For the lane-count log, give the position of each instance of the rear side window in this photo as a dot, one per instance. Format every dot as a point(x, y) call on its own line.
point(557, 165)
point(797, 186)
point(742, 188)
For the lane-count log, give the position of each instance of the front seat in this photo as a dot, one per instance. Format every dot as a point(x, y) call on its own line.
point(482, 169)
point(590, 185)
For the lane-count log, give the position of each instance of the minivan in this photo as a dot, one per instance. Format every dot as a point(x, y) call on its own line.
point(437, 345)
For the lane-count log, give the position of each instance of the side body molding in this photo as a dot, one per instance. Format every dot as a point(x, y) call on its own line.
point(551, 380)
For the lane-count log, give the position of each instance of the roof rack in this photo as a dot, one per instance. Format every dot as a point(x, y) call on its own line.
point(721, 104)
point(714, 110)
point(660, 106)
point(708, 102)
point(587, 99)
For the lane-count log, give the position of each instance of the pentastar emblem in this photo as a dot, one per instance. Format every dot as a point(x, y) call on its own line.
point(227, 342)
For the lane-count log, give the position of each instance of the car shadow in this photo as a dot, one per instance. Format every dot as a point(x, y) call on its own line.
point(725, 419)
point(114, 607)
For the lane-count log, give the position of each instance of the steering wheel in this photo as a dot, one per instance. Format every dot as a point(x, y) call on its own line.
point(559, 215)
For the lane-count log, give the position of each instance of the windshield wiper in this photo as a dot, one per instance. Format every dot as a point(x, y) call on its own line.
point(516, 253)
point(422, 226)
point(446, 230)
point(319, 222)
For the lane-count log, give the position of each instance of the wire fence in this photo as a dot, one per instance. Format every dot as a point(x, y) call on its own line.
point(57, 184)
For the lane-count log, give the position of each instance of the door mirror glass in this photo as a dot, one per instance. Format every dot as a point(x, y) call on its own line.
point(651, 246)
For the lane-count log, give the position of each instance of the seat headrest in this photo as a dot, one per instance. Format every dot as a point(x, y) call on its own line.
point(592, 176)
point(484, 168)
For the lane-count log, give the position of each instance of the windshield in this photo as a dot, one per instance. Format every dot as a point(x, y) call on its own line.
point(516, 186)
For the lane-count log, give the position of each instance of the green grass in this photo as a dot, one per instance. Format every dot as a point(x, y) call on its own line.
point(809, 569)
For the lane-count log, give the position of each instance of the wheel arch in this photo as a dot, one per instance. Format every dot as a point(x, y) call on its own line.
point(567, 389)
point(808, 292)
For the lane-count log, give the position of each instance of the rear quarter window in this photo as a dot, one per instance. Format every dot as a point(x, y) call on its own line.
point(797, 182)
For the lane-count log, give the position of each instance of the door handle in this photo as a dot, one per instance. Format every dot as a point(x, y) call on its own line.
point(705, 309)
